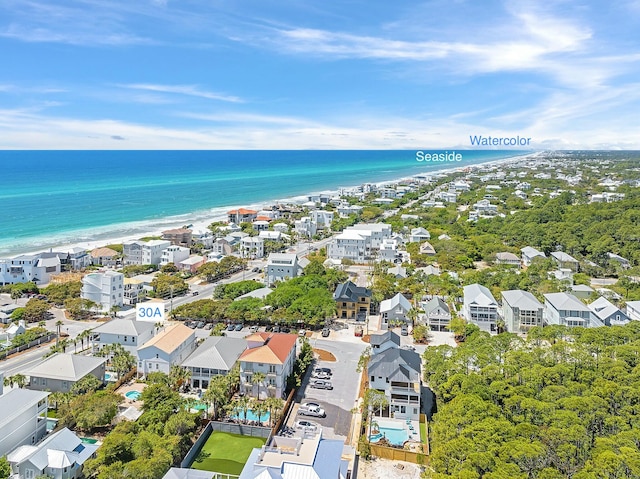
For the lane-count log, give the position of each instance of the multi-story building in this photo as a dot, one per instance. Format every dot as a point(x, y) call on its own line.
point(126, 332)
point(61, 455)
point(23, 418)
point(607, 312)
point(214, 357)
point(242, 215)
point(252, 247)
point(480, 307)
point(394, 309)
point(567, 310)
point(281, 267)
point(529, 254)
point(174, 254)
point(396, 372)
point(179, 237)
point(271, 354)
point(437, 314)
point(106, 289)
point(521, 311)
point(352, 302)
point(28, 267)
point(61, 371)
point(171, 346)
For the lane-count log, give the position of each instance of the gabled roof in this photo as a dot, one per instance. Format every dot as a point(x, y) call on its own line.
point(565, 301)
point(66, 367)
point(564, 257)
point(256, 293)
point(603, 308)
point(350, 292)
point(396, 364)
point(522, 299)
point(242, 211)
point(57, 451)
point(478, 294)
point(170, 339)
point(125, 327)
point(397, 300)
point(275, 350)
point(216, 352)
point(434, 304)
point(378, 339)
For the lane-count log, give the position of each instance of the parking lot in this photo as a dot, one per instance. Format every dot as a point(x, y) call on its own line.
point(339, 401)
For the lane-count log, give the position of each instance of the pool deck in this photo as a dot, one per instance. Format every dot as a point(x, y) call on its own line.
point(392, 423)
point(131, 386)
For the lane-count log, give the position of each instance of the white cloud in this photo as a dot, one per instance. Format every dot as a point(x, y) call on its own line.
point(189, 90)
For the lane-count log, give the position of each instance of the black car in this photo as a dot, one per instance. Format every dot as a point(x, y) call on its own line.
point(276, 329)
point(269, 328)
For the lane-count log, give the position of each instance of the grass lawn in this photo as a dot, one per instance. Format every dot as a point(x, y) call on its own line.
point(225, 452)
point(52, 413)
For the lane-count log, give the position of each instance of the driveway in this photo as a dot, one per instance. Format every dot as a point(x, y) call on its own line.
point(339, 401)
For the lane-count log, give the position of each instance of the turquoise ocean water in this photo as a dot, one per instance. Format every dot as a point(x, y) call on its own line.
point(53, 198)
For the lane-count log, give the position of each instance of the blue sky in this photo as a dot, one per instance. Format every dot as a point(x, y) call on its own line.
point(331, 74)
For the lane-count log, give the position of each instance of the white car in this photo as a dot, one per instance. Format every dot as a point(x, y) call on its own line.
point(306, 425)
point(311, 409)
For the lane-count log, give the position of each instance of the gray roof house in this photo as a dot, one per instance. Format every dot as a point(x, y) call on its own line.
point(127, 332)
point(383, 341)
point(61, 455)
point(480, 307)
point(505, 257)
point(305, 456)
point(61, 371)
point(529, 254)
point(215, 356)
point(521, 311)
point(394, 309)
point(437, 314)
point(565, 309)
point(607, 312)
point(22, 418)
point(281, 267)
point(396, 372)
point(565, 260)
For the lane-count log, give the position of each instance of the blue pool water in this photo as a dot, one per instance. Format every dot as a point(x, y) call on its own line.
point(395, 435)
point(110, 377)
point(51, 424)
point(251, 416)
point(133, 395)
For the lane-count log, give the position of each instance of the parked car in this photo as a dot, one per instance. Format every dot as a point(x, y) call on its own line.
point(326, 332)
point(269, 328)
point(285, 330)
point(231, 327)
point(209, 326)
point(311, 409)
point(239, 327)
point(306, 425)
point(200, 325)
point(195, 293)
point(321, 384)
point(253, 329)
point(320, 375)
point(323, 370)
point(276, 329)
point(358, 332)
point(302, 333)
point(404, 330)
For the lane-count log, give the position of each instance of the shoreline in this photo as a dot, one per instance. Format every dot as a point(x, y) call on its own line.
point(201, 219)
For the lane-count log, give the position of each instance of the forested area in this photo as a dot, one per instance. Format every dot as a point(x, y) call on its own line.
point(564, 403)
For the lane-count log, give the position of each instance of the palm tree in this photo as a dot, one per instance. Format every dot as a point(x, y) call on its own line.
point(114, 310)
point(259, 408)
point(216, 394)
point(8, 381)
point(58, 326)
point(243, 404)
point(257, 379)
point(273, 405)
point(20, 380)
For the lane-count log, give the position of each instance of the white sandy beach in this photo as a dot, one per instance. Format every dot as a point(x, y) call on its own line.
point(200, 220)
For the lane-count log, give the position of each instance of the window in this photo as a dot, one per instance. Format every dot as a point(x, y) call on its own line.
point(157, 366)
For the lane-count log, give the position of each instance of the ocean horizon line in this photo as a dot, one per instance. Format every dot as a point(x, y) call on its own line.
point(128, 230)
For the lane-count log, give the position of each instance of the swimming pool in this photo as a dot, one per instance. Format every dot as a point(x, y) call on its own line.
point(395, 433)
point(133, 395)
point(51, 424)
point(251, 416)
point(110, 377)
point(200, 406)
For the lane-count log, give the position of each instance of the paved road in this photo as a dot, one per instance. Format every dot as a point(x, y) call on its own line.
point(339, 401)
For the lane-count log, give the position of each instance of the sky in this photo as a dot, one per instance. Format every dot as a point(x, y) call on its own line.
point(308, 74)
